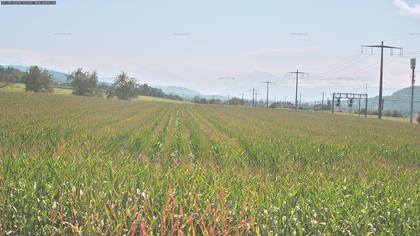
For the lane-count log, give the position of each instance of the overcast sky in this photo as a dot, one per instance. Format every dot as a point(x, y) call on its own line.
point(218, 46)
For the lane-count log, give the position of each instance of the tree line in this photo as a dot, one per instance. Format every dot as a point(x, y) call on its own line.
point(82, 83)
point(11, 75)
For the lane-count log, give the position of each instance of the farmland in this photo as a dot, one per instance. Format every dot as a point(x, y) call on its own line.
point(73, 164)
point(19, 87)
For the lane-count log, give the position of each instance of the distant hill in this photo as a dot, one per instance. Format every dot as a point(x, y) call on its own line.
point(180, 91)
point(400, 100)
point(187, 93)
point(57, 76)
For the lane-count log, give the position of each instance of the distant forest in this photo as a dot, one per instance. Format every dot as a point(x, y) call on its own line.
point(11, 75)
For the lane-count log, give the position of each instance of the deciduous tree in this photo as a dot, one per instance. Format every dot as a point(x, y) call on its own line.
point(84, 83)
point(123, 87)
point(38, 80)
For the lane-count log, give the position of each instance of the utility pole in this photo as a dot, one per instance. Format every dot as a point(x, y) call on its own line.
point(297, 73)
point(300, 100)
point(382, 47)
point(413, 68)
point(322, 99)
point(367, 99)
point(268, 84)
point(254, 96)
point(328, 103)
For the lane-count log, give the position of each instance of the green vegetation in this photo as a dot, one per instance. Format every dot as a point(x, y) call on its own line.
point(81, 82)
point(37, 80)
point(123, 87)
point(10, 75)
point(63, 90)
point(399, 100)
point(84, 83)
point(71, 164)
point(146, 90)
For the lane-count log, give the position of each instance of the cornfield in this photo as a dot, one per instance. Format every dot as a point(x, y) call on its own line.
point(76, 165)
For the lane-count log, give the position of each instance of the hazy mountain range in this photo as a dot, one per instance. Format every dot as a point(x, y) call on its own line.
point(180, 91)
point(399, 100)
point(57, 76)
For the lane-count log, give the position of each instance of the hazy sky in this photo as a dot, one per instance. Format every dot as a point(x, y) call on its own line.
point(219, 46)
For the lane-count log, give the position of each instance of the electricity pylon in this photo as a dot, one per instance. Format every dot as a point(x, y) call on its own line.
point(413, 76)
point(254, 96)
point(297, 73)
point(268, 83)
point(382, 47)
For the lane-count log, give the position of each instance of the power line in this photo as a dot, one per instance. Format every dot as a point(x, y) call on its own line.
point(402, 39)
point(369, 67)
point(348, 66)
point(352, 61)
point(373, 67)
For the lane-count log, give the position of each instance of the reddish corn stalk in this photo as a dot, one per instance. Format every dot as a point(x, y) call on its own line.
point(110, 210)
point(191, 224)
point(251, 223)
point(169, 205)
point(226, 232)
point(108, 228)
point(242, 228)
point(52, 217)
point(133, 227)
point(61, 221)
point(203, 225)
point(163, 222)
point(143, 228)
